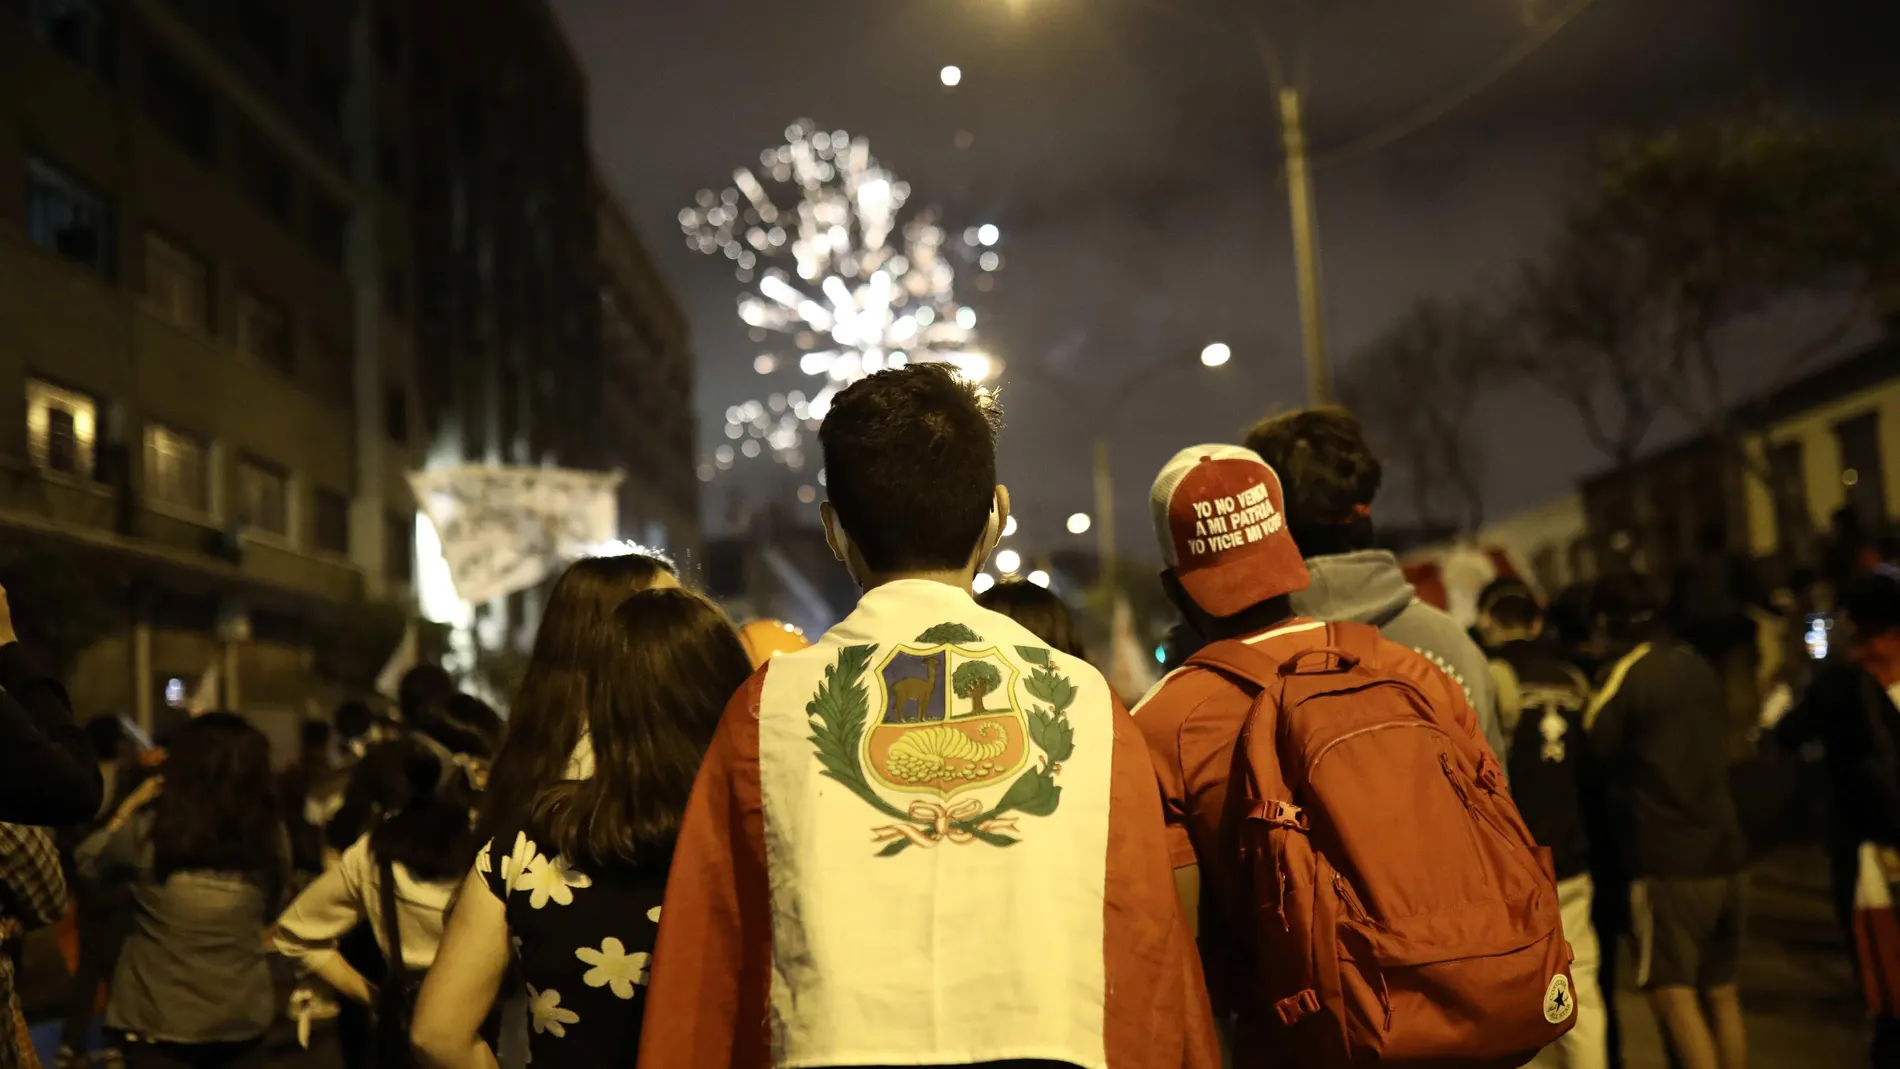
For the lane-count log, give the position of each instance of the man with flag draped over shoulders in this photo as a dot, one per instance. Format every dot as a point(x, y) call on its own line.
point(928, 839)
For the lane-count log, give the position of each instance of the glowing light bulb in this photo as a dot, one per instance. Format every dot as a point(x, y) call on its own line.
point(1079, 523)
point(950, 75)
point(1008, 560)
point(1009, 527)
point(1216, 354)
point(1040, 578)
point(988, 234)
point(983, 581)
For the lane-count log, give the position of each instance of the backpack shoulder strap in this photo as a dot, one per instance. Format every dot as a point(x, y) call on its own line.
point(1235, 658)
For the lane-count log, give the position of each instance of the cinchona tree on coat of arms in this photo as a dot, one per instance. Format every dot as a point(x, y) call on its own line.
point(938, 728)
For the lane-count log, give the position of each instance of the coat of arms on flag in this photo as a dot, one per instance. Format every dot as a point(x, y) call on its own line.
point(934, 736)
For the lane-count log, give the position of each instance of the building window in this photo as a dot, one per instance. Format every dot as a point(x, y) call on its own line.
point(335, 371)
point(388, 43)
point(396, 414)
point(396, 294)
point(263, 496)
point(326, 91)
point(263, 175)
point(399, 547)
point(1861, 472)
point(65, 216)
point(389, 166)
point(75, 28)
point(328, 225)
point(177, 284)
point(61, 428)
point(263, 331)
point(262, 26)
point(1793, 523)
point(333, 522)
point(177, 469)
point(179, 104)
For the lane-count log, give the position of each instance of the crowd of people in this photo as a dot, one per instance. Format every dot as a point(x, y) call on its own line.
point(1341, 828)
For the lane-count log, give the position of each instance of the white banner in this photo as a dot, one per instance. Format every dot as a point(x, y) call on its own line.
point(506, 529)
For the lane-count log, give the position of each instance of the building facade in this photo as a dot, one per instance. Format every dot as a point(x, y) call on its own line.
point(1819, 450)
point(647, 390)
point(208, 391)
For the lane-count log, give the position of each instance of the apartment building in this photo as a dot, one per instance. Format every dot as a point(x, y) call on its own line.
point(208, 391)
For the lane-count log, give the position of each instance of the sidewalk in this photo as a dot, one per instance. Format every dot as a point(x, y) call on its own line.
point(1797, 989)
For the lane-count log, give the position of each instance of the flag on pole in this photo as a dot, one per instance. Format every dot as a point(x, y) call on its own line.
point(389, 680)
point(505, 529)
point(204, 697)
point(1130, 668)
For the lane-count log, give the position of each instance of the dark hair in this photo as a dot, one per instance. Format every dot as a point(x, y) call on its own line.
point(462, 723)
point(1872, 602)
point(1626, 609)
point(664, 677)
point(218, 811)
point(428, 830)
point(548, 715)
point(420, 685)
point(353, 719)
point(1510, 602)
point(105, 734)
point(1038, 609)
point(1327, 470)
point(910, 466)
point(313, 735)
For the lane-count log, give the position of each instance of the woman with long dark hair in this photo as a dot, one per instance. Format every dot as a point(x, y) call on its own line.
point(544, 734)
point(575, 876)
point(204, 848)
point(399, 878)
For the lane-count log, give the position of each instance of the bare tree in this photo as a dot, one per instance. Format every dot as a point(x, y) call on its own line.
point(1691, 234)
point(1416, 387)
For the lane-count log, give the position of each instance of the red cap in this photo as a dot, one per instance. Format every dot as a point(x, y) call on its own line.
point(1220, 516)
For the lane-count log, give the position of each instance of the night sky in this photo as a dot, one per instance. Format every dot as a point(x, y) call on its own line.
point(1132, 162)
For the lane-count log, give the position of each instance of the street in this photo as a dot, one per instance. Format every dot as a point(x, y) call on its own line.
point(1802, 1008)
point(1797, 987)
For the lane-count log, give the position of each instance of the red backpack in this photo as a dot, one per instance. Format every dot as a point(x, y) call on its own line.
point(1402, 912)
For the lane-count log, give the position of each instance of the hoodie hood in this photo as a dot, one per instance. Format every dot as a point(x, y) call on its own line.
point(1365, 587)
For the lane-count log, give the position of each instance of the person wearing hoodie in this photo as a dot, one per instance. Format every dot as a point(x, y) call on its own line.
point(1331, 476)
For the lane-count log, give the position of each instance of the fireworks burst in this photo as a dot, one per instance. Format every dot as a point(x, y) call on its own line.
point(842, 282)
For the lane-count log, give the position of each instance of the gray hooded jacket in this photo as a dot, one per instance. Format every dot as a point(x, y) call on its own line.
point(1367, 587)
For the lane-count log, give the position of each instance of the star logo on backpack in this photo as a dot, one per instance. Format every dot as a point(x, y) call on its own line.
point(1558, 1005)
point(937, 738)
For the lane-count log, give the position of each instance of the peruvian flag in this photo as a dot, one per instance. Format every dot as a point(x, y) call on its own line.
point(1877, 933)
point(925, 840)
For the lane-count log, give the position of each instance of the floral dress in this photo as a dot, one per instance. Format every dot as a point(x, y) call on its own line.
point(584, 942)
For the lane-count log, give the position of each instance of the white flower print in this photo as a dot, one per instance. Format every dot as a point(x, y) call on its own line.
point(614, 967)
point(549, 877)
point(513, 865)
point(548, 1013)
point(654, 914)
point(482, 864)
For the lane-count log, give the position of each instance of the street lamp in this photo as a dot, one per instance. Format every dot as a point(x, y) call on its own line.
point(1299, 183)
